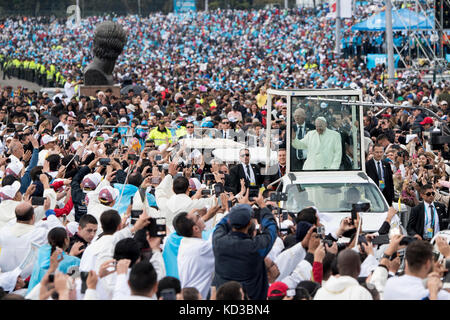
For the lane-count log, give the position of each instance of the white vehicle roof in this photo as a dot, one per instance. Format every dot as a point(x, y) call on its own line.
point(328, 177)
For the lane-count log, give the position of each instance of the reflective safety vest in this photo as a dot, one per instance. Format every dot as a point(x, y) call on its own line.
point(160, 137)
point(181, 132)
point(385, 76)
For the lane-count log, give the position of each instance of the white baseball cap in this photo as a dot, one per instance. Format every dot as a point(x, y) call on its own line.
point(14, 168)
point(108, 194)
point(9, 192)
point(9, 279)
point(91, 180)
point(47, 139)
point(131, 107)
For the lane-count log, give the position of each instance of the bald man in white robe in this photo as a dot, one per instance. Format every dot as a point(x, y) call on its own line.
point(323, 145)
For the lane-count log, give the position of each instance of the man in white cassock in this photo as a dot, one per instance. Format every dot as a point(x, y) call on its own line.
point(323, 145)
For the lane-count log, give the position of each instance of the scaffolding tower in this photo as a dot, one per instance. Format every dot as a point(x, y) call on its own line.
point(428, 47)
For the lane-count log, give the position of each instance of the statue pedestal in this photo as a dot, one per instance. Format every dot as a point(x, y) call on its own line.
point(91, 91)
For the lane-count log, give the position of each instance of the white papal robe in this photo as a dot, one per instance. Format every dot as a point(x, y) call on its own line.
point(324, 151)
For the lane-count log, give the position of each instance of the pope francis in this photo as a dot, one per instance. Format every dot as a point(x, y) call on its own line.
point(323, 145)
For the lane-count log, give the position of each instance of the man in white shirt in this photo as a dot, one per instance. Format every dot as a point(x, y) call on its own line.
point(195, 255)
point(181, 201)
point(323, 146)
point(345, 286)
point(142, 280)
point(17, 236)
point(10, 198)
point(16, 150)
point(127, 249)
point(63, 123)
point(69, 88)
point(102, 249)
point(303, 270)
point(101, 199)
point(49, 144)
point(419, 281)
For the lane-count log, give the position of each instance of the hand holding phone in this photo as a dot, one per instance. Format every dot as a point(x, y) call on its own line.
point(83, 276)
point(168, 294)
point(37, 201)
point(157, 227)
point(253, 192)
point(104, 161)
point(155, 180)
point(135, 215)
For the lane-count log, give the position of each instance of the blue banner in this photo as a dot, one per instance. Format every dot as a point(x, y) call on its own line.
point(447, 57)
point(374, 59)
point(180, 6)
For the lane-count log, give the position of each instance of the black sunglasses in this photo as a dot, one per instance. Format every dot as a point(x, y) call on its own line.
point(226, 122)
point(430, 194)
point(245, 155)
point(189, 127)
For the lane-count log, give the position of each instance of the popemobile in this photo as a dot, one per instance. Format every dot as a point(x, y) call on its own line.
point(326, 159)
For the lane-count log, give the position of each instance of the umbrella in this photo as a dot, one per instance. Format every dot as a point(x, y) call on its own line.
point(136, 88)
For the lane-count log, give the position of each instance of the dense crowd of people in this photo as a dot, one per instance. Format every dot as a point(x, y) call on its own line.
point(223, 49)
point(101, 197)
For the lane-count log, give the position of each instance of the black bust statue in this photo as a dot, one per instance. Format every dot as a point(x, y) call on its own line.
point(109, 40)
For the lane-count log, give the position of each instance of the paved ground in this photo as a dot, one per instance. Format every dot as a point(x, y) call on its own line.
point(14, 82)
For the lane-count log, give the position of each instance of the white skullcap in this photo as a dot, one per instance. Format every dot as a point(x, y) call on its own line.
point(322, 119)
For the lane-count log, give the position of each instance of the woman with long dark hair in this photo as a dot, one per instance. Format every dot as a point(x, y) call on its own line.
point(254, 112)
point(57, 238)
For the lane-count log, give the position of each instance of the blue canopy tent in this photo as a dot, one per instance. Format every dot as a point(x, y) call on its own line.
point(427, 21)
point(403, 19)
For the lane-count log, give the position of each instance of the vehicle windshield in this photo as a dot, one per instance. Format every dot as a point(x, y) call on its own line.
point(334, 197)
point(325, 134)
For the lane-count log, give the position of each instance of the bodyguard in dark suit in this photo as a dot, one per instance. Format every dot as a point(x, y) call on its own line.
point(190, 133)
point(299, 129)
point(225, 131)
point(381, 173)
point(251, 173)
point(427, 218)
